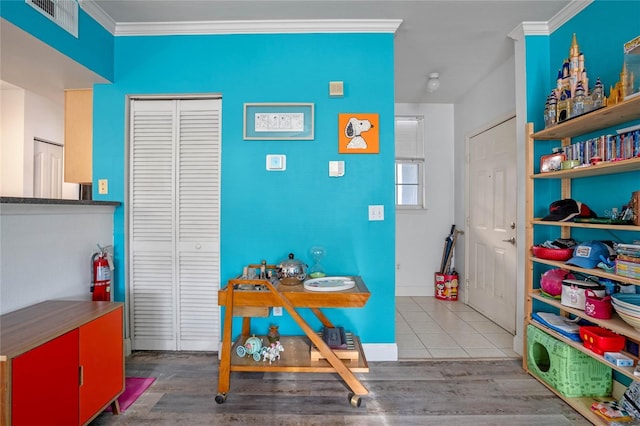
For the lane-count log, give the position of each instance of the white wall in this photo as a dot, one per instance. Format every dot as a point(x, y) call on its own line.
point(25, 116)
point(420, 234)
point(491, 101)
point(12, 142)
point(45, 251)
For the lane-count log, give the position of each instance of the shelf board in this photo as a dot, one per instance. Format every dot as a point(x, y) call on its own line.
point(615, 323)
point(595, 272)
point(606, 168)
point(627, 371)
point(600, 119)
point(296, 358)
point(539, 221)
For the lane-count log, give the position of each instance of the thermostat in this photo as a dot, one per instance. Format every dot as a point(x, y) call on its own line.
point(276, 162)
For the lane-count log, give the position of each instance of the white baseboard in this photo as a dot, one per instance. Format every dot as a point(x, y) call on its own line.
point(415, 290)
point(380, 351)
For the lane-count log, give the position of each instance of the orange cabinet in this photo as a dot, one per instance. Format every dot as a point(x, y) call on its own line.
point(44, 384)
point(101, 363)
point(62, 362)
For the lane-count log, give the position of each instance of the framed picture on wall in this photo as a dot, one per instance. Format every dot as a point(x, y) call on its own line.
point(358, 133)
point(278, 121)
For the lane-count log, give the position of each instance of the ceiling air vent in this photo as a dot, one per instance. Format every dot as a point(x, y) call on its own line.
point(62, 12)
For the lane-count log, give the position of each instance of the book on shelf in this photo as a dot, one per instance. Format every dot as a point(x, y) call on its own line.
point(628, 246)
point(628, 258)
point(627, 269)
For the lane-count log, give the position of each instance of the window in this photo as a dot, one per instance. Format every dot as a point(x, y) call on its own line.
point(409, 162)
point(408, 183)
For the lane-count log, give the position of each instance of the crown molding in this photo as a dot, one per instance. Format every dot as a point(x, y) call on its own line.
point(567, 12)
point(529, 28)
point(546, 28)
point(98, 15)
point(239, 27)
point(259, 27)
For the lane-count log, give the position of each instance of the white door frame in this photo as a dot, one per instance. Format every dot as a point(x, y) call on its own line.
point(128, 331)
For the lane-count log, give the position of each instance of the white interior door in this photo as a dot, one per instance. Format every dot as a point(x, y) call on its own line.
point(174, 224)
point(47, 169)
point(491, 269)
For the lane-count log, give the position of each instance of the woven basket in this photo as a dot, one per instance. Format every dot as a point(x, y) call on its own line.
point(552, 254)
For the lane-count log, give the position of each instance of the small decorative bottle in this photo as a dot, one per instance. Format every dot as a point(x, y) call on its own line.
point(263, 270)
point(274, 335)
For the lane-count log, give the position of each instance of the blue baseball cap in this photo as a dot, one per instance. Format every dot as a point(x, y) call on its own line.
point(589, 254)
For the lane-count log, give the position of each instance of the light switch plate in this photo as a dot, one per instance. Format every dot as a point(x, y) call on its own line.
point(276, 162)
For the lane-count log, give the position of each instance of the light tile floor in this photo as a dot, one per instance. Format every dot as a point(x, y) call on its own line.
point(430, 328)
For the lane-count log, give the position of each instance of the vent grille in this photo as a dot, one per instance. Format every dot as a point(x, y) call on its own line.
point(62, 12)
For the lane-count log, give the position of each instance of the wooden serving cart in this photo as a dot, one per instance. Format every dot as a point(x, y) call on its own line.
point(246, 297)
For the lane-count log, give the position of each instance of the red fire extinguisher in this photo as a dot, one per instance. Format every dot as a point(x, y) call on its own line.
point(101, 266)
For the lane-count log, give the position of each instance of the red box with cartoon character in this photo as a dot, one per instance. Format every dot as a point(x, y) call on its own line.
point(446, 286)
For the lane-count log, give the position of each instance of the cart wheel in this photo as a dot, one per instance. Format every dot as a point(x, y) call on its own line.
point(221, 397)
point(241, 351)
point(354, 400)
point(256, 356)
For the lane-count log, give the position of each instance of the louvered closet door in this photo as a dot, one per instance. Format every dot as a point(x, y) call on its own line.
point(198, 224)
point(174, 224)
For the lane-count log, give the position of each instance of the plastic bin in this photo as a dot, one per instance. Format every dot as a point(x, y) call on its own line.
point(446, 286)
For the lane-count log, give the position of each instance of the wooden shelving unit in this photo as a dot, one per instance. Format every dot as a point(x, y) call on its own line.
point(594, 121)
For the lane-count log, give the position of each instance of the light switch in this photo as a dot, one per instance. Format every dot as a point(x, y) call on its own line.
point(336, 168)
point(276, 162)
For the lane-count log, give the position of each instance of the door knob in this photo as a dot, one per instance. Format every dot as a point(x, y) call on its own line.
point(512, 225)
point(511, 240)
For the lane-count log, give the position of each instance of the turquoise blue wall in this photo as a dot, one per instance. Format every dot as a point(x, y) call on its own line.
point(266, 215)
point(93, 48)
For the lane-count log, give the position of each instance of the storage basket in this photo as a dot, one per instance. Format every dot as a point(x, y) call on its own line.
point(551, 253)
point(573, 292)
point(597, 307)
point(566, 369)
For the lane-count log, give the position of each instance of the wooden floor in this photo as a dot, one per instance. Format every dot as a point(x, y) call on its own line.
point(429, 392)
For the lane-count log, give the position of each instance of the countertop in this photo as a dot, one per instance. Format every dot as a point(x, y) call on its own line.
point(52, 201)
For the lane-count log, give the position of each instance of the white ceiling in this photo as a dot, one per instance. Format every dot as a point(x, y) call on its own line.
point(461, 40)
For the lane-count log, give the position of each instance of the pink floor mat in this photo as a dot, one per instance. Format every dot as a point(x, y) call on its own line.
point(133, 388)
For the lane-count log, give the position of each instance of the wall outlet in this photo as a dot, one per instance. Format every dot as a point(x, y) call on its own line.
point(277, 311)
point(376, 212)
point(103, 186)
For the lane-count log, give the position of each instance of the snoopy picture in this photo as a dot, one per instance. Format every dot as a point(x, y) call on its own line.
point(354, 130)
